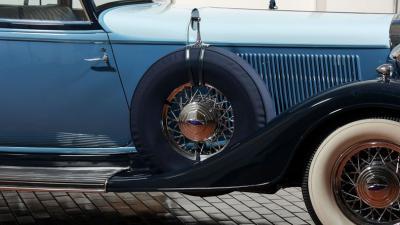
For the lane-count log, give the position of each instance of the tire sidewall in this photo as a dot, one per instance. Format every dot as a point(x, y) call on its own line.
point(319, 178)
point(220, 71)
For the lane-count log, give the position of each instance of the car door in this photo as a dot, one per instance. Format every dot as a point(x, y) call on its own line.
point(59, 84)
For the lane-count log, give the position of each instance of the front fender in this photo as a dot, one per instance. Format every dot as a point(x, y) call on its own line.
point(264, 157)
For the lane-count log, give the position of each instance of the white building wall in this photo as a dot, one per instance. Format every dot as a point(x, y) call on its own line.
point(378, 6)
point(372, 6)
point(384, 6)
point(301, 5)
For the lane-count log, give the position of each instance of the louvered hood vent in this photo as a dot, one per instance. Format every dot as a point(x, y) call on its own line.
point(293, 78)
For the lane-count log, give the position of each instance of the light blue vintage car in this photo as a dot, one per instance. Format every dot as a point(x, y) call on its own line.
point(148, 95)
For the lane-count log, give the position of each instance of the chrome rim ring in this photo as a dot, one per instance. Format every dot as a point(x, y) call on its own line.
point(198, 121)
point(366, 182)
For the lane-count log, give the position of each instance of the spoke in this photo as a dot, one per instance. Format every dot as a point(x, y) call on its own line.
point(380, 217)
point(350, 179)
point(382, 160)
point(388, 156)
point(186, 94)
point(226, 128)
point(373, 158)
point(398, 164)
point(357, 167)
point(226, 111)
point(175, 117)
point(395, 209)
point(355, 201)
point(365, 161)
point(193, 95)
point(370, 212)
point(350, 195)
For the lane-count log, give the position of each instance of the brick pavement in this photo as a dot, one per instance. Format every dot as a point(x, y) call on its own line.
point(60, 208)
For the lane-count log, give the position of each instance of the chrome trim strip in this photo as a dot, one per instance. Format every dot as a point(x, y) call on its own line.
point(67, 151)
point(54, 36)
point(182, 43)
point(44, 22)
point(43, 31)
point(288, 10)
point(54, 40)
point(38, 189)
point(66, 168)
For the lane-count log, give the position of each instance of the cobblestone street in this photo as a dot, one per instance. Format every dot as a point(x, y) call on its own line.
point(286, 207)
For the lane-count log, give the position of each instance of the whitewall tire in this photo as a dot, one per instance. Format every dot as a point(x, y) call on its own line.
point(355, 169)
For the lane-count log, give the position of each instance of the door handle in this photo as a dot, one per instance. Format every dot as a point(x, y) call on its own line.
point(105, 58)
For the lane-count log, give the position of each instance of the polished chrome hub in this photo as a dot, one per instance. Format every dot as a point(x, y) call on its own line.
point(366, 183)
point(198, 121)
point(378, 186)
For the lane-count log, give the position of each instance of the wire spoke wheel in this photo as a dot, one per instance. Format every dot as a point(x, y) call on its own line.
point(198, 121)
point(366, 183)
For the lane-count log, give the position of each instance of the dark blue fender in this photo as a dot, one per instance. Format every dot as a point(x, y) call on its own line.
point(262, 161)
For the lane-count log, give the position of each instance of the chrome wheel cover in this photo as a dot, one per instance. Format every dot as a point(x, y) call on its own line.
point(366, 183)
point(198, 121)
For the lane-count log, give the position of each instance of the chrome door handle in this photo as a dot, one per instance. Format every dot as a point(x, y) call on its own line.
point(105, 59)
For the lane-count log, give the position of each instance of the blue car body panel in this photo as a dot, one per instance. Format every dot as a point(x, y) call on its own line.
point(51, 96)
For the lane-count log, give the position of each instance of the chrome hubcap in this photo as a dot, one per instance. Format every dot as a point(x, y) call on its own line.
point(366, 183)
point(378, 186)
point(198, 121)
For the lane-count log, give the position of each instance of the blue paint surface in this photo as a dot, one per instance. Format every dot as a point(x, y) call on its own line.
point(50, 96)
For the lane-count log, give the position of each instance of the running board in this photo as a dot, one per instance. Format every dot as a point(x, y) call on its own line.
point(88, 179)
point(66, 173)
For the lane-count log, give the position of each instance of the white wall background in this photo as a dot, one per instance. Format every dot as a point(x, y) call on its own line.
point(386, 6)
point(381, 6)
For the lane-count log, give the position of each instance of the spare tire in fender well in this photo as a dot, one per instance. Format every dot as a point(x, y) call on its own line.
point(235, 78)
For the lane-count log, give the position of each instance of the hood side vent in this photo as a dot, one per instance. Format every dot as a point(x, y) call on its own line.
point(293, 78)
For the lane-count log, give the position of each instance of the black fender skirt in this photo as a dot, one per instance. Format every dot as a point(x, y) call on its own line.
point(262, 159)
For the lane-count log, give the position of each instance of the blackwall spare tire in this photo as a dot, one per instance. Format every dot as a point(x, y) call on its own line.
point(178, 123)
